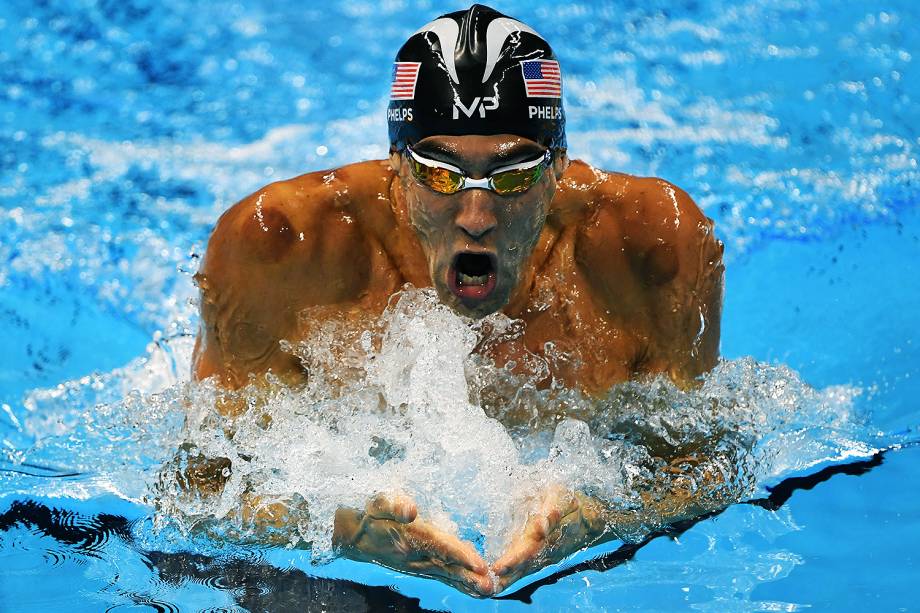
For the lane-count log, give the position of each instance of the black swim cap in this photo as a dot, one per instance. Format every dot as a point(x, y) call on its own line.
point(476, 72)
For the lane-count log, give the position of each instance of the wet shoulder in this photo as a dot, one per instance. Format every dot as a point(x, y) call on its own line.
point(317, 210)
point(652, 223)
point(666, 229)
point(577, 194)
point(350, 190)
point(645, 201)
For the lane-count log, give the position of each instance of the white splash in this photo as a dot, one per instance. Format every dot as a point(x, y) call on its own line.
point(406, 405)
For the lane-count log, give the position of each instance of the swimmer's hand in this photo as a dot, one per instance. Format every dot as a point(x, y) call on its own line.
point(561, 523)
point(388, 532)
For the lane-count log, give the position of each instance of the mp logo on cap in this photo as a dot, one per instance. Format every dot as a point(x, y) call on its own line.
point(483, 104)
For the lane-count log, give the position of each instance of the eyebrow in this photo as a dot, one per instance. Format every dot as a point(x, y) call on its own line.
point(522, 152)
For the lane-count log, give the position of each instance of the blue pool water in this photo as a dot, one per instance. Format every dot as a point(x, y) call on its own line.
point(127, 127)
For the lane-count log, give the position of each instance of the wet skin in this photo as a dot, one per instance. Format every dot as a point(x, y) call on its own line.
point(623, 272)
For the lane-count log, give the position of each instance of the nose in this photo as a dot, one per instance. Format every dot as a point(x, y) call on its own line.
point(476, 215)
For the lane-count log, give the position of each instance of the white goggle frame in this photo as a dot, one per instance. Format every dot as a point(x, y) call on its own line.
point(485, 182)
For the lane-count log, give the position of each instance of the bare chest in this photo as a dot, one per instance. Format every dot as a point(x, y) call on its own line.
point(569, 335)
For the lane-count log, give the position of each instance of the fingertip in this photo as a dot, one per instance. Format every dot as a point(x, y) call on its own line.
point(409, 513)
point(483, 585)
point(486, 585)
point(501, 584)
point(405, 509)
point(540, 526)
point(479, 567)
point(474, 584)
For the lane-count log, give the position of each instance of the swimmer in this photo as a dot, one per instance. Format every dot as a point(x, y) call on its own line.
point(479, 200)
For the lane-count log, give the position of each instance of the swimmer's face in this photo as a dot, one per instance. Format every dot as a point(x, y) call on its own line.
point(477, 241)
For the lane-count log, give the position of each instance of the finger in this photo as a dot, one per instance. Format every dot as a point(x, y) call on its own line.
point(446, 547)
point(480, 583)
point(523, 551)
point(397, 507)
point(527, 553)
point(477, 584)
point(502, 583)
point(531, 540)
point(558, 503)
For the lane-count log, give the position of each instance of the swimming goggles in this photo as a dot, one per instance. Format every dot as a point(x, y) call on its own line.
point(447, 179)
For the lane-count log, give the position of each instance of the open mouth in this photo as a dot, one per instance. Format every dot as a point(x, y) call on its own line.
point(472, 275)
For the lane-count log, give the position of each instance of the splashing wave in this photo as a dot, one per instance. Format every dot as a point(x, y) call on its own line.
point(405, 403)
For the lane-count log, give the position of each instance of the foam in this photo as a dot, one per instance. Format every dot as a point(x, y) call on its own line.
point(403, 403)
point(407, 406)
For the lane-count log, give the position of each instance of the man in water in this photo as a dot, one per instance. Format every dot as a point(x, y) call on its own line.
point(479, 200)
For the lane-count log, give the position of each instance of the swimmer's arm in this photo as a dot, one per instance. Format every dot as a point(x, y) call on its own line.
point(387, 531)
point(688, 487)
point(653, 259)
point(686, 310)
point(287, 247)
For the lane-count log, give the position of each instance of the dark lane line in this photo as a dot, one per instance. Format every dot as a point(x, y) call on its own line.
point(256, 586)
point(261, 586)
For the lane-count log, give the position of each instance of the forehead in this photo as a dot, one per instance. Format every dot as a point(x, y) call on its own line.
point(475, 149)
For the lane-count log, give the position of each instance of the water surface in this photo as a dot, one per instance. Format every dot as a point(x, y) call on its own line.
point(126, 129)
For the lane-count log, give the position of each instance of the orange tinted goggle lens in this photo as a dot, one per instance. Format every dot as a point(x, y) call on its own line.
point(439, 179)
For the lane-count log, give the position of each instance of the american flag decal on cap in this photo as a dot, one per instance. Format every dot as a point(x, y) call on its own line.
point(542, 78)
point(405, 75)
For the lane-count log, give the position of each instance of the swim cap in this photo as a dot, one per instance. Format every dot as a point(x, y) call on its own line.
point(476, 72)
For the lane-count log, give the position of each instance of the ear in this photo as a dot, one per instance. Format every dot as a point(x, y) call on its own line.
point(396, 160)
point(560, 162)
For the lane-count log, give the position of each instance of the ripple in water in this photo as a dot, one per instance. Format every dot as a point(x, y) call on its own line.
point(143, 603)
point(85, 535)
